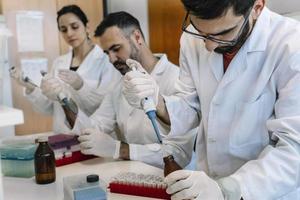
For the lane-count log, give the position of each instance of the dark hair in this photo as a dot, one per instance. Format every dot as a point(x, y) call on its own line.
point(74, 9)
point(212, 9)
point(122, 20)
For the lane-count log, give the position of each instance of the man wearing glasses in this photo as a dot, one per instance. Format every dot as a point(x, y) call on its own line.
point(240, 69)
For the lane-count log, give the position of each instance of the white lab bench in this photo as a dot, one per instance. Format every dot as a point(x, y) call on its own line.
point(26, 188)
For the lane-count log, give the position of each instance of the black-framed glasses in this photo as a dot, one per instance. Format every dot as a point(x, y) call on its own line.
point(212, 38)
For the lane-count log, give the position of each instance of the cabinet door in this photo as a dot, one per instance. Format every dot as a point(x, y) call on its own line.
point(165, 20)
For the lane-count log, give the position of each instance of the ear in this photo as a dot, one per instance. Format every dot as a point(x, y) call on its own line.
point(138, 37)
point(257, 8)
point(88, 30)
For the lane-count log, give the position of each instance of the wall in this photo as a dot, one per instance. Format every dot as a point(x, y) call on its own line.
point(165, 21)
point(138, 8)
point(5, 85)
point(284, 7)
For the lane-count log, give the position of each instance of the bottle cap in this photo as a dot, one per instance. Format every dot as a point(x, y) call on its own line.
point(43, 139)
point(92, 178)
point(168, 158)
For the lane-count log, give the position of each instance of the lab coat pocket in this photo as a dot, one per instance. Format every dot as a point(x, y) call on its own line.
point(248, 132)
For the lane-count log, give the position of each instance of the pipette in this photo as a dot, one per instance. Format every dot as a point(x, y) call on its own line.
point(67, 102)
point(150, 110)
point(43, 73)
point(29, 81)
point(25, 79)
point(68, 105)
point(61, 96)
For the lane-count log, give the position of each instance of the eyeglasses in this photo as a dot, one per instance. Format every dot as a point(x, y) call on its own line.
point(209, 37)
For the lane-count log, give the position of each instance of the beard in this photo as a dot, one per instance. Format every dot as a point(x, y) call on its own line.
point(239, 43)
point(134, 51)
point(121, 65)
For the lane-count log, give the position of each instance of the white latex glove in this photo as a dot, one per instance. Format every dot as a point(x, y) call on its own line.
point(51, 87)
point(97, 143)
point(70, 77)
point(139, 85)
point(185, 184)
point(17, 74)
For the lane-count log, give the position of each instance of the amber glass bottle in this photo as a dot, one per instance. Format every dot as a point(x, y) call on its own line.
point(170, 165)
point(44, 162)
point(70, 108)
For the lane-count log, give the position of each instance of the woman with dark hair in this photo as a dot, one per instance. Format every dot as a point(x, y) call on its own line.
point(83, 74)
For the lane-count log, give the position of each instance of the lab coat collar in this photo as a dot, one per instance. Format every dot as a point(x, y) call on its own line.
point(67, 59)
point(256, 42)
point(237, 66)
point(215, 60)
point(159, 68)
point(259, 37)
point(85, 65)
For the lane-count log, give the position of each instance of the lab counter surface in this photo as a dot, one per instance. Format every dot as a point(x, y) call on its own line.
point(26, 188)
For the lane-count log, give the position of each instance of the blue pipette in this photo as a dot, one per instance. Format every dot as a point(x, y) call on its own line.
point(152, 116)
point(150, 110)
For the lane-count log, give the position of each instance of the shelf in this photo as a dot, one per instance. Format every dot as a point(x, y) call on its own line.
point(10, 116)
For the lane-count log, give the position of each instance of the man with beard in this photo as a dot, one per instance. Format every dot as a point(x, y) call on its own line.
point(239, 68)
point(117, 129)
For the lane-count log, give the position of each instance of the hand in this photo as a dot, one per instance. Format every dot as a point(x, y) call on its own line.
point(17, 74)
point(185, 184)
point(138, 85)
point(51, 87)
point(97, 143)
point(70, 77)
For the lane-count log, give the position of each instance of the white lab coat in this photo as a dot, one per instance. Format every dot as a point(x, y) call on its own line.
point(133, 125)
point(257, 97)
point(99, 77)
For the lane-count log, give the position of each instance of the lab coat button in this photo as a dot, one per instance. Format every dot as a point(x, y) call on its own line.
point(211, 140)
point(214, 175)
point(216, 103)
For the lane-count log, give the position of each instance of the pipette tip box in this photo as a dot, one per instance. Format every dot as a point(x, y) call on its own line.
point(66, 149)
point(139, 185)
point(18, 159)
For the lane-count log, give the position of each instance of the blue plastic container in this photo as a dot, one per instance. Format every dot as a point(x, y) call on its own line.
point(79, 187)
point(17, 159)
